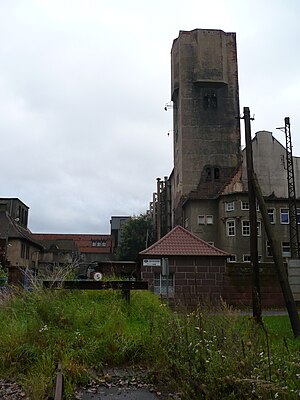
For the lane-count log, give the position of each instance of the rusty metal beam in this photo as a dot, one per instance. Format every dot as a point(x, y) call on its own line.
point(96, 285)
point(59, 383)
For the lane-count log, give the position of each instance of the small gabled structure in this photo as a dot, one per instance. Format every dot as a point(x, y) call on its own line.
point(196, 268)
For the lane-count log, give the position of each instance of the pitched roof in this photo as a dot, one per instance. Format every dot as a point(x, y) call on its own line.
point(10, 228)
point(83, 241)
point(181, 242)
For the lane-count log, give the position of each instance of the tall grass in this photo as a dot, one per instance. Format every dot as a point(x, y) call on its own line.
point(202, 355)
point(224, 356)
point(82, 329)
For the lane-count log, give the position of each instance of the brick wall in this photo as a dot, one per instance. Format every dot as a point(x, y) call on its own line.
point(197, 279)
point(237, 285)
point(207, 280)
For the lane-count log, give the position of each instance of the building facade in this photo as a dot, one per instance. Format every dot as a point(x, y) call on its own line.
point(77, 250)
point(209, 187)
point(19, 249)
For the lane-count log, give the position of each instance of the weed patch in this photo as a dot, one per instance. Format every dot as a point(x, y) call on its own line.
point(202, 355)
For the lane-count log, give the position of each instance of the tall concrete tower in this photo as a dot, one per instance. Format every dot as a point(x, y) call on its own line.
point(206, 106)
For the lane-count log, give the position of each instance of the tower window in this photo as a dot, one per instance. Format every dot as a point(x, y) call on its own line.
point(216, 173)
point(208, 174)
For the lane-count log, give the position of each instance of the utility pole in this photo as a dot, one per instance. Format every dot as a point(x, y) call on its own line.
point(256, 296)
point(278, 261)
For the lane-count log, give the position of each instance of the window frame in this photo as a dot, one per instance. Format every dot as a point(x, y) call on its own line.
point(244, 258)
point(230, 206)
point(272, 216)
point(209, 218)
point(229, 227)
point(243, 207)
point(245, 227)
point(286, 245)
point(201, 218)
point(98, 243)
point(232, 258)
point(282, 214)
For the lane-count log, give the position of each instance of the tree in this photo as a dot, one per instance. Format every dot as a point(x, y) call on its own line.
point(137, 235)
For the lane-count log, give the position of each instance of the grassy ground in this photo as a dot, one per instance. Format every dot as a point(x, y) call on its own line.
point(203, 356)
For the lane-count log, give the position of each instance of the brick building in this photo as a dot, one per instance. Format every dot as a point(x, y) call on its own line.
point(198, 273)
point(196, 268)
point(79, 250)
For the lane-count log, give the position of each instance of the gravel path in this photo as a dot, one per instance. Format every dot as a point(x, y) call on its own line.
point(11, 391)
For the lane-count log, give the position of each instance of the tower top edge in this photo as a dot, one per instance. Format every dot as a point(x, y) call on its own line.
point(198, 30)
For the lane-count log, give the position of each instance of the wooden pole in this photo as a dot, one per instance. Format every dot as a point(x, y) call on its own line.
point(256, 296)
point(278, 261)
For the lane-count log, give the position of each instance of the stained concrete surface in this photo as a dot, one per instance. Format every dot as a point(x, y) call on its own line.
point(123, 384)
point(120, 394)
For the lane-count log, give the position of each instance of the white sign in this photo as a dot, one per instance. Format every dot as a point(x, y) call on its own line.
point(152, 262)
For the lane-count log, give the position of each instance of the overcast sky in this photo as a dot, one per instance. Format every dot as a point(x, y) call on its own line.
point(83, 85)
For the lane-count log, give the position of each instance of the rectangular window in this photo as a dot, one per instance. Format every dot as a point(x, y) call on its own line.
point(229, 206)
point(160, 284)
point(98, 243)
point(27, 253)
point(246, 258)
point(246, 228)
point(271, 213)
point(286, 249)
point(231, 258)
point(284, 216)
point(205, 219)
point(230, 228)
point(23, 250)
point(201, 219)
point(245, 205)
point(209, 219)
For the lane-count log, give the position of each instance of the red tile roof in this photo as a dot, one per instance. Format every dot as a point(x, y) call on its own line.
point(180, 242)
point(82, 241)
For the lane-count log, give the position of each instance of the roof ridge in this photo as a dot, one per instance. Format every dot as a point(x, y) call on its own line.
point(180, 241)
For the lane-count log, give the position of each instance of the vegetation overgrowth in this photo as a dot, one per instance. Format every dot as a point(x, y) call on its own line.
point(202, 355)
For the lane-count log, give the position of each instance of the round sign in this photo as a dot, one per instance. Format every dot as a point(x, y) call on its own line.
point(97, 276)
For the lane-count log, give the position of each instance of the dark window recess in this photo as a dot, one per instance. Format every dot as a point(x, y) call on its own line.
point(23, 250)
point(208, 174)
point(210, 100)
point(217, 173)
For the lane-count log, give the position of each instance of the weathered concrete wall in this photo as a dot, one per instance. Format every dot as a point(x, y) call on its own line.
point(269, 160)
point(18, 257)
point(206, 102)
